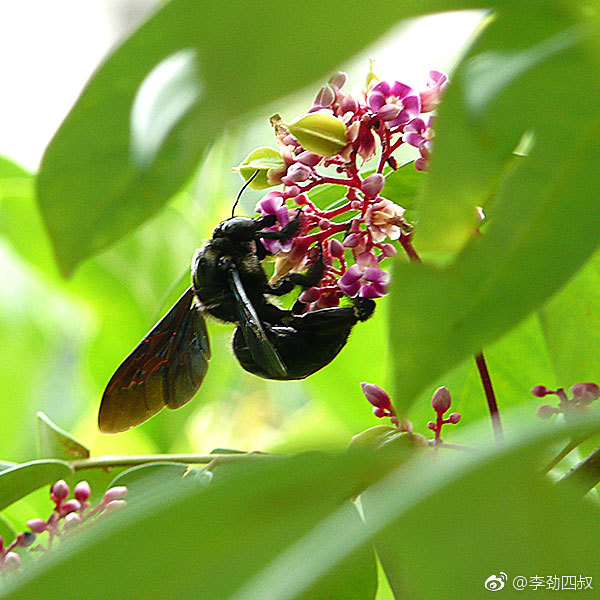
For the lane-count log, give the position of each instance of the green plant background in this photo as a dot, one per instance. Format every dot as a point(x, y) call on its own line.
point(96, 246)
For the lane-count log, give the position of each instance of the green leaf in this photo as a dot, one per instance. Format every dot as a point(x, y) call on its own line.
point(142, 122)
point(500, 277)
point(7, 531)
point(464, 521)
point(571, 325)
point(243, 524)
point(320, 132)
point(159, 474)
point(265, 160)
point(20, 480)
point(435, 497)
point(54, 442)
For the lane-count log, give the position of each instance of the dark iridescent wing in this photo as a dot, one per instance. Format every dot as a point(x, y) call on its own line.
point(260, 347)
point(165, 369)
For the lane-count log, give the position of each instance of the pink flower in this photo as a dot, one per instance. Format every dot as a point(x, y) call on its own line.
point(395, 103)
point(419, 134)
point(430, 97)
point(383, 219)
point(274, 204)
point(365, 278)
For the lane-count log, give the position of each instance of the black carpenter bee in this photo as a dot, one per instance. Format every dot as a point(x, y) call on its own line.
point(229, 283)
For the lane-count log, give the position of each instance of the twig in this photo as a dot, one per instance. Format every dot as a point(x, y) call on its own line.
point(108, 462)
point(490, 396)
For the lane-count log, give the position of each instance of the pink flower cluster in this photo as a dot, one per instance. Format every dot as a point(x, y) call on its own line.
point(582, 395)
point(66, 515)
point(354, 235)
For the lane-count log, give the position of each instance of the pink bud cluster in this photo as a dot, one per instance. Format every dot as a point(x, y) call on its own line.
point(355, 235)
point(441, 402)
point(10, 561)
point(67, 514)
point(583, 394)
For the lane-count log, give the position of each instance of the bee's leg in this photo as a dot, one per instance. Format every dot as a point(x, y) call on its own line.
point(334, 319)
point(286, 284)
point(283, 234)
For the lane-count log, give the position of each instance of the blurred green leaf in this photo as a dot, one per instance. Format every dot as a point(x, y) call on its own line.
point(20, 480)
point(438, 497)
point(141, 479)
point(571, 325)
point(218, 537)
point(142, 122)
point(54, 442)
point(7, 531)
point(464, 522)
point(498, 278)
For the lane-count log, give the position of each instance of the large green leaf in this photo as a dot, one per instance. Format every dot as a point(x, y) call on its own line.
point(426, 505)
point(497, 515)
point(544, 220)
point(571, 326)
point(207, 543)
point(18, 481)
point(142, 122)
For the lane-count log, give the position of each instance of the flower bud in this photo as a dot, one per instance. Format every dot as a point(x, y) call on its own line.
point(585, 392)
point(292, 191)
point(348, 104)
point(441, 400)
point(114, 505)
point(454, 418)
point(320, 133)
point(301, 200)
point(546, 411)
point(325, 98)
point(25, 539)
point(372, 185)
point(69, 507)
point(376, 396)
point(72, 519)
point(431, 425)
point(297, 173)
point(60, 490)
point(12, 562)
point(388, 250)
point(338, 80)
point(540, 391)
point(114, 493)
point(37, 525)
point(336, 249)
point(379, 412)
point(309, 158)
point(352, 240)
point(82, 491)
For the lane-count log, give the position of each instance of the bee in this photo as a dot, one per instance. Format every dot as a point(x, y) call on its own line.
point(229, 283)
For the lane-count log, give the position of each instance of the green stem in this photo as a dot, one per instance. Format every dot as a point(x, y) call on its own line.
point(109, 462)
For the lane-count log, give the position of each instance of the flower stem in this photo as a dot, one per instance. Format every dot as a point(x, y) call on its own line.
point(108, 462)
point(484, 374)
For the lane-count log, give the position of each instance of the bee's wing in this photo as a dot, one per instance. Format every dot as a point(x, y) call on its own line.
point(263, 352)
point(165, 369)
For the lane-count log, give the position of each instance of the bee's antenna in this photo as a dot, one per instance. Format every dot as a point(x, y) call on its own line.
point(242, 191)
